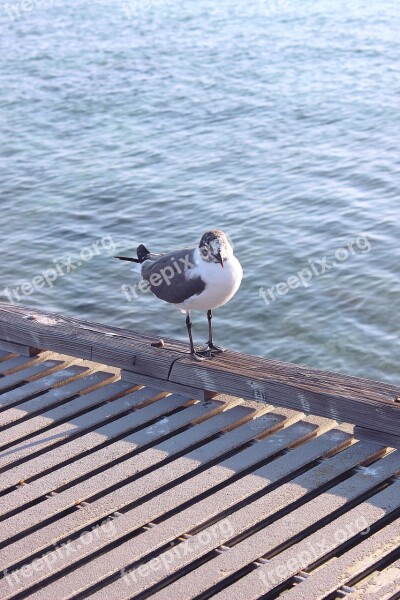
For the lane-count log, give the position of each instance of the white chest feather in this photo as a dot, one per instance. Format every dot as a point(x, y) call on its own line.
point(221, 284)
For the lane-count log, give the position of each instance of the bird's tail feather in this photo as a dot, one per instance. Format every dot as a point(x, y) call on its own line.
point(135, 260)
point(142, 254)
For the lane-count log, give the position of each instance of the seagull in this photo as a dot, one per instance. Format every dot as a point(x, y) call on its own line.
point(203, 277)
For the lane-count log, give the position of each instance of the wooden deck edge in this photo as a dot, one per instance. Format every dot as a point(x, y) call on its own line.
point(372, 406)
point(167, 386)
point(21, 349)
point(372, 435)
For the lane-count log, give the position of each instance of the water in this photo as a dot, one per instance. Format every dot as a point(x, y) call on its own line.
point(276, 122)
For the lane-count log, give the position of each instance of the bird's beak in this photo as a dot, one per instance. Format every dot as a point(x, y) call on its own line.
point(219, 257)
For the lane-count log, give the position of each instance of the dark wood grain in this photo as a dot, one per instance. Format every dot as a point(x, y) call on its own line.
point(167, 386)
point(84, 339)
point(363, 402)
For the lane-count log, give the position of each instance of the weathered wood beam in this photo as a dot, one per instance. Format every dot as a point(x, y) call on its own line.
point(369, 404)
point(372, 406)
point(21, 349)
point(83, 339)
point(167, 386)
point(380, 437)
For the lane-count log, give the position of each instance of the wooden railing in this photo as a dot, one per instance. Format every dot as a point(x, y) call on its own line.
point(373, 407)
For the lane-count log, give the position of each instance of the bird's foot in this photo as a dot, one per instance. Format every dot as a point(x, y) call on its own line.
point(213, 348)
point(201, 355)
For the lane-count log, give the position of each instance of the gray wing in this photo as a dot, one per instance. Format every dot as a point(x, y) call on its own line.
point(166, 275)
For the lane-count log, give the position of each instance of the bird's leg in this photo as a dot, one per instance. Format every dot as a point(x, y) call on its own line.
point(197, 356)
point(189, 328)
point(210, 344)
point(209, 319)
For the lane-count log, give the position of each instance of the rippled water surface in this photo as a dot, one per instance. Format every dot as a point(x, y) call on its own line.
point(277, 121)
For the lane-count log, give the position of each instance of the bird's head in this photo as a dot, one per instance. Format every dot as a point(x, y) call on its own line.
point(214, 247)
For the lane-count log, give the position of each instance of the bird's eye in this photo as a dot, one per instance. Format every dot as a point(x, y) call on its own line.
point(204, 252)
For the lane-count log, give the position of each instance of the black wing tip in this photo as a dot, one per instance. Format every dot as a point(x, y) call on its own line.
point(142, 252)
point(135, 260)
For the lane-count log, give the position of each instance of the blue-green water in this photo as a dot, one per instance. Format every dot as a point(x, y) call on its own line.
point(277, 121)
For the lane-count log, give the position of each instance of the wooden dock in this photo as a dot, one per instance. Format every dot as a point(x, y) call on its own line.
point(131, 471)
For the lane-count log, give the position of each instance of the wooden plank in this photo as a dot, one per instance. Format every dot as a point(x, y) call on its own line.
point(382, 585)
point(147, 511)
point(84, 466)
point(20, 376)
point(145, 544)
point(352, 564)
point(301, 555)
point(83, 339)
point(354, 400)
point(44, 383)
point(216, 475)
point(239, 520)
point(167, 386)
point(36, 423)
point(75, 436)
point(253, 513)
point(94, 484)
point(369, 404)
point(148, 458)
point(380, 437)
point(12, 364)
point(54, 396)
point(21, 349)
